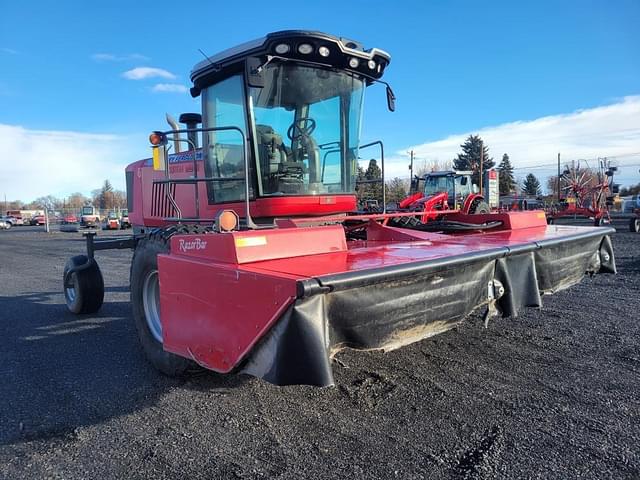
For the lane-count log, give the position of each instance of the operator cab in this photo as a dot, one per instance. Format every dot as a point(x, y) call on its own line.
point(297, 97)
point(458, 185)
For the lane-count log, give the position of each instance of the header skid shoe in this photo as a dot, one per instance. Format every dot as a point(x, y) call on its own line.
point(278, 304)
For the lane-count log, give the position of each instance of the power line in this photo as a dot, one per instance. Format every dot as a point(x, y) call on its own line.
point(548, 165)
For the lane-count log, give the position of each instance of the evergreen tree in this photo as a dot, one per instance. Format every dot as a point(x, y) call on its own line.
point(505, 176)
point(531, 185)
point(360, 186)
point(368, 185)
point(469, 159)
point(373, 187)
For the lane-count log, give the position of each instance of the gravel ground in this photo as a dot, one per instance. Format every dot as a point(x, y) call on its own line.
point(551, 394)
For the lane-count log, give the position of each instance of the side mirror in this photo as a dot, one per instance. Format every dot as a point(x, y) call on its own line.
point(463, 180)
point(391, 99)
point(254, 72)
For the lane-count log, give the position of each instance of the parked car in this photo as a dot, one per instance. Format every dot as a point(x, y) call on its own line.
point(71, 218)
point(11, 221)
point(15, 216)
point(38, 220)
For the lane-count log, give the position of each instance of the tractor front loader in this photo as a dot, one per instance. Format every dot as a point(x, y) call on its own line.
point(437, 197)
point(250, 255)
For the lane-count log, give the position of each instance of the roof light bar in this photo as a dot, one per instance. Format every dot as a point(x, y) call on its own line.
point(282, 48)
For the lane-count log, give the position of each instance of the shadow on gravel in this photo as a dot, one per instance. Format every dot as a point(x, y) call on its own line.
point(631, 266)
point(60, 371)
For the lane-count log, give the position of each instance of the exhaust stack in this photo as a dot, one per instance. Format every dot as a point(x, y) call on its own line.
point(176, 136)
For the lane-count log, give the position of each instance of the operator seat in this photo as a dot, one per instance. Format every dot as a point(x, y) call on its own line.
point(281, 174)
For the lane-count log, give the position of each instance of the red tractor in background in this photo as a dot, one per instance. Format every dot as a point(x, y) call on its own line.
point(435, 192)
point(249, 254)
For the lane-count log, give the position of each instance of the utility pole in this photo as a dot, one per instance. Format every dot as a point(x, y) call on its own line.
point(481, 163)
point(558, 177)
point(411, 167)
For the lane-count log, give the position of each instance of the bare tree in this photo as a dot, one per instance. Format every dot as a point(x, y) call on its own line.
point(76, 200)
point(119, 199)
point(427, 166)
point(397, 189)
point(95, 196)
point(15, 205)
point(49, 202)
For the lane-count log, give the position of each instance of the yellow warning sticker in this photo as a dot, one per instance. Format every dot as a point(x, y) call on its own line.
point(250, 241)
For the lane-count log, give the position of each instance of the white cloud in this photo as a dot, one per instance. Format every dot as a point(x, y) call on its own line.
point(111, 57)
point(169, 87)
point(10, 51)
point(610, 130)
point(34, 163)
point(141, 73)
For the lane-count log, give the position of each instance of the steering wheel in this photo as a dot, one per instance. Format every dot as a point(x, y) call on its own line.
point(304, 126)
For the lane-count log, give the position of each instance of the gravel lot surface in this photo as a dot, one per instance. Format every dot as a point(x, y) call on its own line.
point(551, 394)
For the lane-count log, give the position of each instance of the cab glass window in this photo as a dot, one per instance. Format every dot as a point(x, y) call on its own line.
point(224, 106)
point(307, 124)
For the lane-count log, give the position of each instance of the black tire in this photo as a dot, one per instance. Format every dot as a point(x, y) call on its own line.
point(550, 221)
point(84, 288)
point(479, 206)
point(405, 222)
point(634, 225)
point(143, 268)
point(597, 222)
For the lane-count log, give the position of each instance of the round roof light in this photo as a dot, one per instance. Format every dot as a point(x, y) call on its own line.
point(371, 64)
point(282, 48)
point(305, 48)
point(324, 51)
point(354, 62)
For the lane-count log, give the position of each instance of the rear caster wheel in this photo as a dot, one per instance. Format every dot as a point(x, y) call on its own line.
point(83, 285)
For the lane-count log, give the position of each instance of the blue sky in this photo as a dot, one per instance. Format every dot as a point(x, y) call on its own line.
point(457, 67)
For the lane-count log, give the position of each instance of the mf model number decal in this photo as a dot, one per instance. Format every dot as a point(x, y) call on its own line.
point(195, 244)
point(182, 157)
